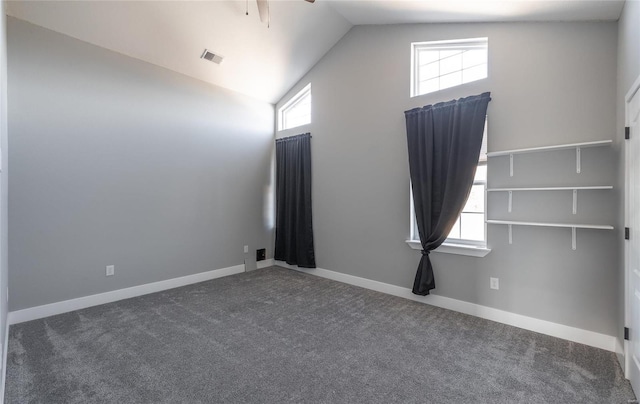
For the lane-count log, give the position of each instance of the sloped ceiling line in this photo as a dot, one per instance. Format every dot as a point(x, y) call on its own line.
point(262, 62)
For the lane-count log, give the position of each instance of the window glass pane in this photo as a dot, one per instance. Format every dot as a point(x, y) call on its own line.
point(292, 122)
point(455, 231)
point(427, 56)
point(481, 173)
point(474, 57)
point(448, 53)
point(450, 80)
point(474, 73)
point(472, 226)
point(298, 114)
point(429, 86)
point(451, 64)
point(456, 62)
point(297, 111)
point(300, 107)
point(475, 203)
point(429, 71)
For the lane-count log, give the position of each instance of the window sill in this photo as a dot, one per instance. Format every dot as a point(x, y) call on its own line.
point(458, 249)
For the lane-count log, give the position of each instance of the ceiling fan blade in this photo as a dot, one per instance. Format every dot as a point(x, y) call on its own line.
point(310, 1)
point(263, 10)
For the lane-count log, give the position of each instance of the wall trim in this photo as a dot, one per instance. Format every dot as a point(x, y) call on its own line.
point(266, 263)
point(632, 91)
point(620, 353)
point(34, 313)
point(591, 338)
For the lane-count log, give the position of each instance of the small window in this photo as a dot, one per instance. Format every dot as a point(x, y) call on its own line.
point(470, 228)
point(297, 111)
point(444, 64)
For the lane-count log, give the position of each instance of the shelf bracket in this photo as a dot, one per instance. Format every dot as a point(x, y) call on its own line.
point(510, 234)
point(575, 201)
point(573, 238)
point(578, 160)
point(510, 200)
point(511, 165)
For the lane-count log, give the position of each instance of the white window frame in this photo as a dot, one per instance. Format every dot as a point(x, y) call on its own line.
point(456, 44)
point(474, 248)
point(306, 91)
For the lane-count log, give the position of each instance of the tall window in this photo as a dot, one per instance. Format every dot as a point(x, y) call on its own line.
point(297, 111)
point(470, 228)
point(443, 64)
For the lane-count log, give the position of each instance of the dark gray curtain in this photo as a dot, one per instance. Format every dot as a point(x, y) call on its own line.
point(444, 143)
point(294, 227)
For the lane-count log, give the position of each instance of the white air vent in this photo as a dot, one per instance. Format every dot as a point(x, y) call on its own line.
point(212, 57)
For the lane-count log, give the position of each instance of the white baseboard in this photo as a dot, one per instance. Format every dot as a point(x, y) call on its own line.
point(266, 263)
point(591, 338)
point(33, 313)
point(574, 334)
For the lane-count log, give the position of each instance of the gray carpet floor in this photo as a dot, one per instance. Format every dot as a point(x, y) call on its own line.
point(279, 336)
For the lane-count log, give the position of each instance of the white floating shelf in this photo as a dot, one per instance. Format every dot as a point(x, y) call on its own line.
point(572, 226)
point(549, 188)
point(577, 146)
point(540, 224)
point(550, 148)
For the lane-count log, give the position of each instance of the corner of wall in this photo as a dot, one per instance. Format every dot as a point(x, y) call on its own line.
point(4, 290)
point(620, 353)
point(628, 69)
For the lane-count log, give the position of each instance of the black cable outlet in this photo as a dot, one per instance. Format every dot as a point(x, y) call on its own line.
point(261, 254)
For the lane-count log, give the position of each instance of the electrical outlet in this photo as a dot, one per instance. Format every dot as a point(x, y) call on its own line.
point(246, 249)
point(494, 283)
point(111, 269)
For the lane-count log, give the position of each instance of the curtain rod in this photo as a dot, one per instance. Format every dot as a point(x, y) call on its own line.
point(291, 137)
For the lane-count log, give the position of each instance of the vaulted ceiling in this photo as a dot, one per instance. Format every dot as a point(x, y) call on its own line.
point(259, 61)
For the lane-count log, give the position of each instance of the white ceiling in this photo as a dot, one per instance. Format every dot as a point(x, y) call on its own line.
point(263, 62)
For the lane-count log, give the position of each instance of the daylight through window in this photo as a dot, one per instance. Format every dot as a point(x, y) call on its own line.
point(444, 64)
point(297, 111)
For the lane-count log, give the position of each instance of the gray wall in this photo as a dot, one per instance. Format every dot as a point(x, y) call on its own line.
point(115, 161)
point(3, 179)
point(551, 83)
point(628, 72)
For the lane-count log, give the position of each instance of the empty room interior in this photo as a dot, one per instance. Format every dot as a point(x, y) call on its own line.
point(320, 201)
